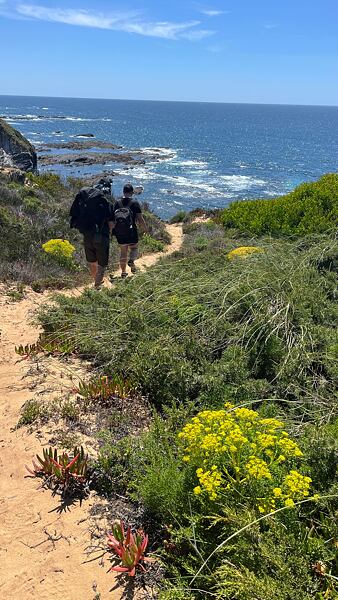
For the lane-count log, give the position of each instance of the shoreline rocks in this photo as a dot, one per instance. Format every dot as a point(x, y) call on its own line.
point(15, 150)
point(90, 158)
point(78, 145)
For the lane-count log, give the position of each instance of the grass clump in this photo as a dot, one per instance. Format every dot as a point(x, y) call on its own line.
point(310, 208)
point(31, 411)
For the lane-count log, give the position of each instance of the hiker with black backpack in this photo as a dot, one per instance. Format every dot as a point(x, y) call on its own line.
point(92, 214)
point(127, 215)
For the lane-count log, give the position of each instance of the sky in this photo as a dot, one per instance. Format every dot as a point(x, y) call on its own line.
point(255, 51)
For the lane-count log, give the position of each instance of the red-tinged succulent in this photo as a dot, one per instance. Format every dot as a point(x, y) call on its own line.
point(129, 547)
point(62, 468)
point(102, 388)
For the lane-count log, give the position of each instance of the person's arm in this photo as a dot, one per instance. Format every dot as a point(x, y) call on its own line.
point(111, 218)
point(141, 221)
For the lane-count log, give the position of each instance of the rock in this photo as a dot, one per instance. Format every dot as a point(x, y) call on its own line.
point(12, 175)
point(15, 149)
point(78, 145)
point(91, 158)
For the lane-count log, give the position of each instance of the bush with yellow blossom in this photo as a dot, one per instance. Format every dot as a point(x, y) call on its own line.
point(244, 252)
point(61, 250)
point(237, 450)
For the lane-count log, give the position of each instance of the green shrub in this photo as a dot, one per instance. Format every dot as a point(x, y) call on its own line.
point(310, 208)
point(176, 329)
point(150, 244)
point(180, 217)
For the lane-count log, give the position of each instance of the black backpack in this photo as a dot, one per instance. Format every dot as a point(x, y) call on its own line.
point(123, 218)
point(89, 211)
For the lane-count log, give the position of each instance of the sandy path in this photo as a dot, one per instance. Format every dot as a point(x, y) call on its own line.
point(42, 550)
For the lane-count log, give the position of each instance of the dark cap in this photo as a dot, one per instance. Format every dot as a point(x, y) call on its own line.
point(128, 189)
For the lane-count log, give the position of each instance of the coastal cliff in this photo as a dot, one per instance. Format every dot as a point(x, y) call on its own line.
point(15, 150)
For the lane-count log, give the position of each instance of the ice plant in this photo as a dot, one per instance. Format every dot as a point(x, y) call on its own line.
point(236, 450)
point(244, 252)
point(129, 547)
point(103, 388)
point(61, 467)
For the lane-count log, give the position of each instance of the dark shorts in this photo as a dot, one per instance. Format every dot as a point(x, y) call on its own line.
point(131, 238)
point(96, 248)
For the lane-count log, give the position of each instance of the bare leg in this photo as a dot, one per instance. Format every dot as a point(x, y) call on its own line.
point(99, 276)
point(132, 257)
point(123, 257)
point(93, 269)
point(133, 252)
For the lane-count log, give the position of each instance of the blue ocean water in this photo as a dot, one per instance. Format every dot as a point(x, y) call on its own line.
point(212, 153)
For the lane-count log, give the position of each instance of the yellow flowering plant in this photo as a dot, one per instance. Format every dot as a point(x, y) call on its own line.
point(244, 252)
point(61, 250)
point(237, 450)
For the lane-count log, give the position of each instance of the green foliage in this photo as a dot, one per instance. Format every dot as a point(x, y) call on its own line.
point(310, 208)
point(156, 227)
point(154, 462)
point(31, 411)
point(70, 410)
point(149, 244)
point(48, 182)
point(30, 215)
point(180, 217)
point(205, 328)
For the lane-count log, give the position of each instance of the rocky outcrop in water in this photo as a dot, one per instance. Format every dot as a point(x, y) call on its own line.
point(15, 150)
point(91, 158)
point(77, 145)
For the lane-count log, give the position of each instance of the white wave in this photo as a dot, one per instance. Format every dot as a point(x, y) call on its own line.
point(190, 163)
point(44, 108)
point(237, 183)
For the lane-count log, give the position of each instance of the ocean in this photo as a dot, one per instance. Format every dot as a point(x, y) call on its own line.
point(211, 154)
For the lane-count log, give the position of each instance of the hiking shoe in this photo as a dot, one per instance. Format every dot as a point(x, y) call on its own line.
point(132, 266)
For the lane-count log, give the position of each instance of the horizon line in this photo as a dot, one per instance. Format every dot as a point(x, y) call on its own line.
point(172, 101)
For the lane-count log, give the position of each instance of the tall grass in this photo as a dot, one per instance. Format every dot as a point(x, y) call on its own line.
point(200, 325)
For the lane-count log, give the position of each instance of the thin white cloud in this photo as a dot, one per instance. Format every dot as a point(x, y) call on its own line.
point(129, 21)
point(210, 12)
point(270, 26)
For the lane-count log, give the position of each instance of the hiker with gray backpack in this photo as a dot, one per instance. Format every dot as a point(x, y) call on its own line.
point(92, 214)
point(127, 216)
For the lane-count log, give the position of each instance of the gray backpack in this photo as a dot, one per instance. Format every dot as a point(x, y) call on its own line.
point(123, 217)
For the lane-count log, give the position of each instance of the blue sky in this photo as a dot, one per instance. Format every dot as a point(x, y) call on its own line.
point(221, 51)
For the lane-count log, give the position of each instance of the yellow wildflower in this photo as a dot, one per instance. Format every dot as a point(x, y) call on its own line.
point(59, 248)
point(244, 252)
point(258, 468)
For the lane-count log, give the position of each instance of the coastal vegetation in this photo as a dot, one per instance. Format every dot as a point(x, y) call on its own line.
point(310, 208)
point(35, 212)
point(228, 350)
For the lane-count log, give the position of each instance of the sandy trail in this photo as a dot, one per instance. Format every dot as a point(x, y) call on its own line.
point(42, 549)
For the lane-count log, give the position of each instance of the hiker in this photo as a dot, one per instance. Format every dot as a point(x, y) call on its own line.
point(127, 215)
point(92, 214)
